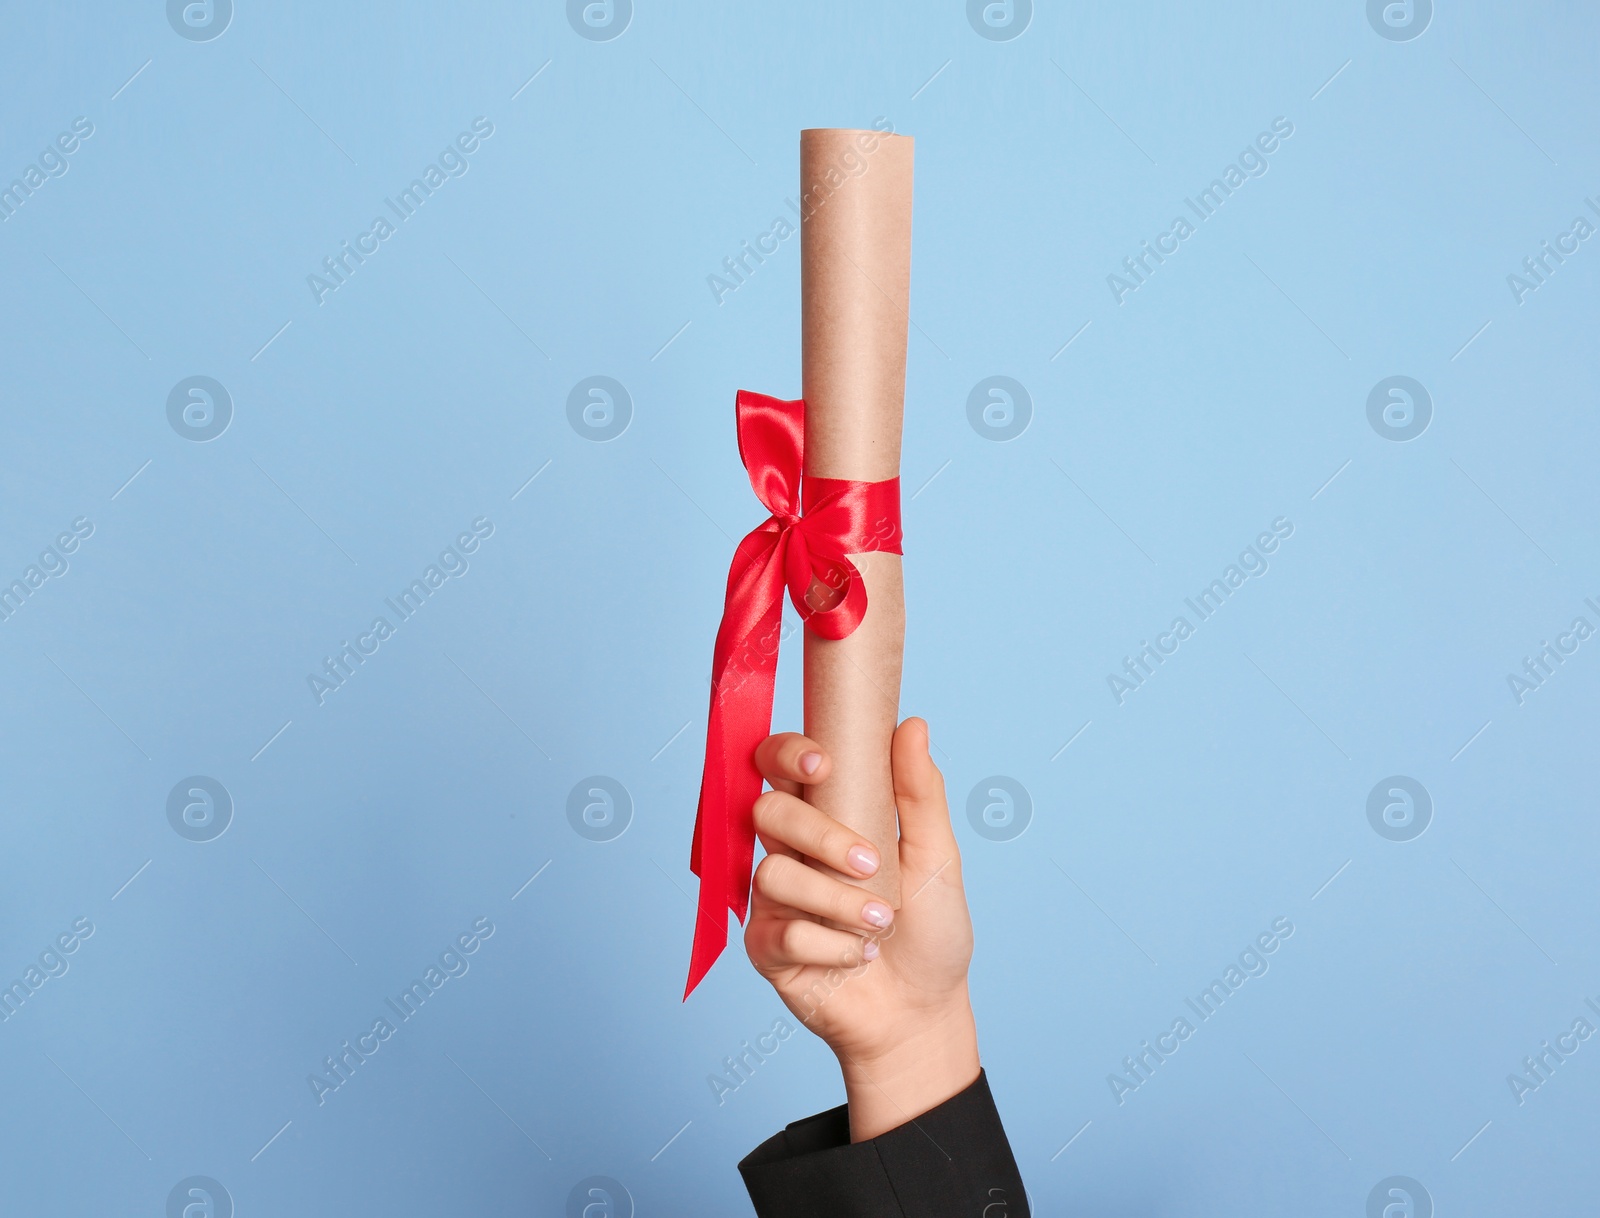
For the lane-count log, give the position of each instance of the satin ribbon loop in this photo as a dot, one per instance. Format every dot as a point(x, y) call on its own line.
point(804, 546)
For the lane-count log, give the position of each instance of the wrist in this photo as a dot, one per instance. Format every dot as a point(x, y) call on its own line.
point(917, 1072)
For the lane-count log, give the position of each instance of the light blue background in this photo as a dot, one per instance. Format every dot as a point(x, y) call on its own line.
point(425, 392)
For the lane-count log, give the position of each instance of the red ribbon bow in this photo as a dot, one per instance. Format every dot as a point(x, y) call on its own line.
point(839, 517)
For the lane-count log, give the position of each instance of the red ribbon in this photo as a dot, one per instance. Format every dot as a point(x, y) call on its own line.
point(807, 553)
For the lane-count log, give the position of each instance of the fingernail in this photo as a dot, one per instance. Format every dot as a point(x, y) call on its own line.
point(862, 859)
point(810, 761)
point(869, 950)
point(874, 913)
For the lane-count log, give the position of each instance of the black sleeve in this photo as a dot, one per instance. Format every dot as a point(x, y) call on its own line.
point(952, 1160)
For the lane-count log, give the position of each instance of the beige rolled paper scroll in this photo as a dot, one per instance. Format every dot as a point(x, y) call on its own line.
point(855, 251)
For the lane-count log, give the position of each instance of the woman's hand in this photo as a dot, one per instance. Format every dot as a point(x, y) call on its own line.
point(888, 994)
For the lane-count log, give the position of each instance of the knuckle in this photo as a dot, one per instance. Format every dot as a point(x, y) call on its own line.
point(785, 873)
point(846, 903)
point(768, 872)
point(769, 754)
point(764, 810)
point(791, 938)
point(835, 840)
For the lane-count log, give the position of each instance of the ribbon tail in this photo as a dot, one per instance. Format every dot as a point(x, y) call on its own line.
point(744, 672)
point(711, 911)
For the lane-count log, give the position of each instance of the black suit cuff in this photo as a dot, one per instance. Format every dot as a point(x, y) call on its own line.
point(951, 1160)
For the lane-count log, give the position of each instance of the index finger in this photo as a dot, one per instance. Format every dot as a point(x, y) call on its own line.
point(789, 760)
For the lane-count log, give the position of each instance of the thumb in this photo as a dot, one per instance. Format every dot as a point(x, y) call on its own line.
point(919, 790)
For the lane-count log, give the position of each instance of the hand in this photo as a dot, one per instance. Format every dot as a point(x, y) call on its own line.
point(888, 994)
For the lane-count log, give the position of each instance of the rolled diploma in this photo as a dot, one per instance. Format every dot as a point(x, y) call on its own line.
point(855, 251)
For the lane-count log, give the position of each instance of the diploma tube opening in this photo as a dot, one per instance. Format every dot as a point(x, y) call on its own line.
point(855, 251)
